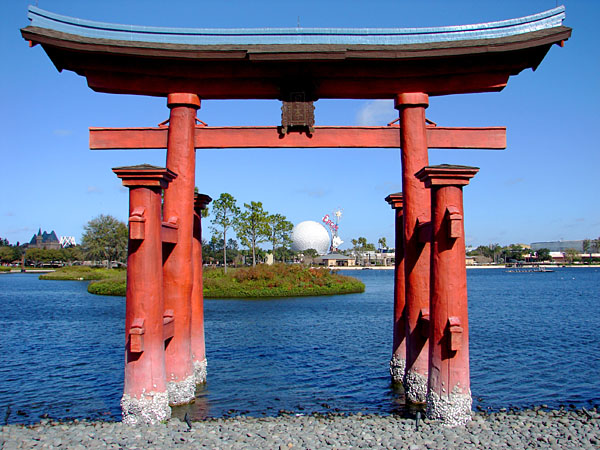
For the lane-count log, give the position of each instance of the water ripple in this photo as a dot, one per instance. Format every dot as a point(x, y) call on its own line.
point(534, 339)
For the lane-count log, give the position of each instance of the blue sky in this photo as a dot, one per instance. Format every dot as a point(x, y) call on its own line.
point(543, 187)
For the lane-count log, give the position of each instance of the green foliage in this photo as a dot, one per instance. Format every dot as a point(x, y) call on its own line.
point(382, 242)
point(251, 227)
point(361, 245)
point(36, 256)
point(83, 273)
point(108, 287)
point(225, 212)
point(543, 254)
point(279, 231)
point(571, 254)
point(5, 269)
point(105, 238)
point(9, 254)
point(278, 280)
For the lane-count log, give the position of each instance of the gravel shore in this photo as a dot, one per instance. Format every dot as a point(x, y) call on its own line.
point(562, 429)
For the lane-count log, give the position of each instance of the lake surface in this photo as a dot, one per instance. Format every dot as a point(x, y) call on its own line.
point(534, 340)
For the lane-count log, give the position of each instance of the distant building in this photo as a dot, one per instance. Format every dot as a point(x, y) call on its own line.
point(45, 241)
point(336, 260)
point(558, 246)
point(67, 241)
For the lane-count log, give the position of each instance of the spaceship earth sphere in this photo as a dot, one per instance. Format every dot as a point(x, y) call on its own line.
point(310, 234)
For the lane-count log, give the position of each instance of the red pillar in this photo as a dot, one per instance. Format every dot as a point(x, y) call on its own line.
point(398, 361)
point(197, 333)
point(177, 267)
point(145, 398)
point(417, 205)
point(449, 394)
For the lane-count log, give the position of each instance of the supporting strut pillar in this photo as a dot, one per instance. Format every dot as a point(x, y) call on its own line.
point(201, 201)
point(145, 397)
point(398, 361)
point(449, 394)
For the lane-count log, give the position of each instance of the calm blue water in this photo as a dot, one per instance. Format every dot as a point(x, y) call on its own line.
point(535, 339)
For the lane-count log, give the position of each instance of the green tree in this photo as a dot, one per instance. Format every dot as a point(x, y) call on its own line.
point(494, 251)
point(71, 254)
point(105, 237)
point(382, 242)
point(225, 214)
point(279, 231)
point(8, 254)
point(251, 227)
point(35, 256)
point(543, 254)
point(309, 255)
point(365, 246)
point(587, 248)
point(571, 254)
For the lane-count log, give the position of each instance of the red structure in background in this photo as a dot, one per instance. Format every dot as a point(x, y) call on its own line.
point(398, 361)
point(201, 202)
point(145, 391)
point(406, 65)
point(449, 393)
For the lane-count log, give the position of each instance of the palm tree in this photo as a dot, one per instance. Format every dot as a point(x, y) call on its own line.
point(587, 248)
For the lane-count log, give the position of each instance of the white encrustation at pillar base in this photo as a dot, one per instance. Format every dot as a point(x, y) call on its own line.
point(151, 407)
point(453, 409)
point(397, 369)
point(200, 371)
point(415, 387)
point(182, 392)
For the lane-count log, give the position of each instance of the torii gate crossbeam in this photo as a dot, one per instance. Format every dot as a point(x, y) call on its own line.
point(323, 137)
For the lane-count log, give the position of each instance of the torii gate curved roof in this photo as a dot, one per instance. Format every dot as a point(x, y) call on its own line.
point(268, 63)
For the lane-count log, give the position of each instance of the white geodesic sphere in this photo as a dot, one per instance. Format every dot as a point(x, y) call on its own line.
point(310, 234)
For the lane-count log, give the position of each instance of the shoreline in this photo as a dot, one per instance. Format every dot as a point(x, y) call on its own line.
point(533, 428)
point(499, 266)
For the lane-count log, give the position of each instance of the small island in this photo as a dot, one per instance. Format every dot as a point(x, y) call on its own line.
point(261, 281)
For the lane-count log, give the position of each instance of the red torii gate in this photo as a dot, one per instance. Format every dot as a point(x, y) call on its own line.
point(297, 66)
point(206, 137)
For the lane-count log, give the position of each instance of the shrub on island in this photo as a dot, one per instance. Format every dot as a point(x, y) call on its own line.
point(113, 286)
point(278, 280)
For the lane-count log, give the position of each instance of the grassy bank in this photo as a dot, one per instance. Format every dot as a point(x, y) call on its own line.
point(279, 280)
point(83, 273)
point(103, 281)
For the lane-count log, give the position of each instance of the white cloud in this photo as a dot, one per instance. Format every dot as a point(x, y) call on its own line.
point(376, 112)
point(20, 230)
point(314, 193)
point(513, 181)
point(62, 132)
